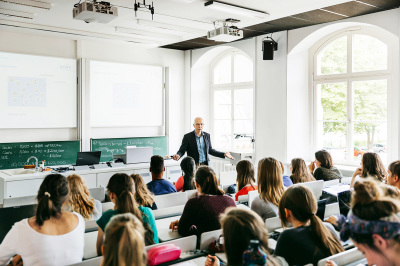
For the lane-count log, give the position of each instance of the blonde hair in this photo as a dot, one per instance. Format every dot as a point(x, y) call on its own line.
point(239, 227)
point(300, 173)
point(124, 241)
point(269, 180)
point(143, 195)
point(79, 199)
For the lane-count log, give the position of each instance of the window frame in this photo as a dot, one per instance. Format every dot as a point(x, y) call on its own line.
point(232, 86)
point(349, 77)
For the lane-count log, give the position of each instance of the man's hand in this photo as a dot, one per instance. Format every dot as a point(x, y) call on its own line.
point(176, 157)
point(229, 156)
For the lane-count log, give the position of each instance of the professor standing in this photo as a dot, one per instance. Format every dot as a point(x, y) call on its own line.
point(197, 144)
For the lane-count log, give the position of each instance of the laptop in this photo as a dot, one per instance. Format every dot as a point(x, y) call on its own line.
point(344, 199)
point(88, 158)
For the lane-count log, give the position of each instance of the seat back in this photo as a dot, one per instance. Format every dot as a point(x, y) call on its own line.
point(344, 258)
point(9, 216)
point(252, 196)
point(331, 183)
point(90, 262)
point(315, 187)
point(90, 245)
point(171, 200)
point(98, 193)
point(105, 206)
point(207, 237)
point(227, 178)
point(272, 224)
point(185, 243)
point(168, 212)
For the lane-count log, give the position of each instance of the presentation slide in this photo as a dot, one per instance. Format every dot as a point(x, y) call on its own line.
point(125, 95)
point(37, 91)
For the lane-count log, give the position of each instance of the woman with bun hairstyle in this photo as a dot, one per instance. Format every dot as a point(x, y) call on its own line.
point(270, 188)
point(300, 172)
point(373, 224)
point(143, 196)
point(201, 214)
point(240, 226)
point(310, 239)
point(245, 178)
point(124, 242)
point(371, 167)
point(186, 182)
point(52, 236)
point(324, 167)
point(120, 189)
point(80, 201)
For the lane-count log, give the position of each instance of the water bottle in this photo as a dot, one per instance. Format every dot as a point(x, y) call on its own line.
point(254, 255)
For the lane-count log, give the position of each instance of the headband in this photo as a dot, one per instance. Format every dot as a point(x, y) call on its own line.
point(387, 227)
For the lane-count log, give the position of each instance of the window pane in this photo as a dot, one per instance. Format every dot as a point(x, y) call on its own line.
point(222, 127)
point(243, 104)
point(332, 137)
point(223, 70)
point(370, 137)
point(223, 142)
point(369, 53)
point(222, 104)
point(243, 127)
point(333, 58)
point(370, 100)
point(332, 101)
point(243, 144)
point(243, 69)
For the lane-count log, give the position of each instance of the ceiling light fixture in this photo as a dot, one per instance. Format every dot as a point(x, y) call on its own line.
point(136, 6)
point(31, 3)
point(238, 10)
point(171, 27)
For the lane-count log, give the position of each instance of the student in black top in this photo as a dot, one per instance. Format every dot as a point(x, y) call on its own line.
point(310, 240)
point(325, 169)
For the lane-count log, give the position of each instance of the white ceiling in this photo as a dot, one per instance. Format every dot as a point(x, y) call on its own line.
point(190, 16)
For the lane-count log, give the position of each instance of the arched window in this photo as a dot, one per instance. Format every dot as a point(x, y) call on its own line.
point(232, 98)
point(352, 75)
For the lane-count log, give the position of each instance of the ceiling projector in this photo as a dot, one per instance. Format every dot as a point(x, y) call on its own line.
point(225, 33)
point(90, 12)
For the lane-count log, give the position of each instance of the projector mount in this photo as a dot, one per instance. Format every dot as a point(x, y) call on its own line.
point(149, 7)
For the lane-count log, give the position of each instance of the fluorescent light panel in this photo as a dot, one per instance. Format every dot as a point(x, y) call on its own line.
point(31, 3)
point(165, 26)
point(238, 10)
point(17, 14)
point(147, 34)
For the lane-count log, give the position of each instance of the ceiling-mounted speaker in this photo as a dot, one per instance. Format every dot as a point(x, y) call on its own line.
point(268, 48)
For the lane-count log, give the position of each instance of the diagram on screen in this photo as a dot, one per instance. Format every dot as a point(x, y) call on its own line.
point(29, 92)
point(126, 95)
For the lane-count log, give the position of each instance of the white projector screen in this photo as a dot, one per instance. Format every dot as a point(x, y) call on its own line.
point(125, 95)
point(37, 91)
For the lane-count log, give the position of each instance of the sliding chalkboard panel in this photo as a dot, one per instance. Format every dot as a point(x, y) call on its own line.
point(109, 147)
point(14, 155)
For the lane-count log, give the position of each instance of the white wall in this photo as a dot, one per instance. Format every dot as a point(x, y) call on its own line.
point(102, 50)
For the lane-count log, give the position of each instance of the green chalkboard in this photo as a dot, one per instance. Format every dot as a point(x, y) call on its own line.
point(14, 155)
point(108, 147)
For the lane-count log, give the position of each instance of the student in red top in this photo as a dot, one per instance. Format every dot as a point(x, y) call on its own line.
point(245, 178)
point(186, 182)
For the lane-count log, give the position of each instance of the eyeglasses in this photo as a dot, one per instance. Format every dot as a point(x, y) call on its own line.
point(199, 124)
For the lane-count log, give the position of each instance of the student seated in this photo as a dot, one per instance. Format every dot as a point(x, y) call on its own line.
point(371, 167)
point(270, 188)
point(309, 240)
point(394, 174)
point(124, 241)
point(201, 214)
point(240, 226)
point(373, 224)
point(158, 185)
point(53, 236)
point(142, 194)
point(287, 182)
point(325, 169)
point(245, 178)
point(186, 181)
point(79, 199)
point(120, 189)
point(300, 172)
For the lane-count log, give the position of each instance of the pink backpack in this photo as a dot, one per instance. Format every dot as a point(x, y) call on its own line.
point(162, 254)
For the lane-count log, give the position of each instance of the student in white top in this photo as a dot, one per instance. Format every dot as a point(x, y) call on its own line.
point(52, 237)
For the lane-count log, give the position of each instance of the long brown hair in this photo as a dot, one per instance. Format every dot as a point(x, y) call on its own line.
point(269, 180)
point(301, 202)
point(239, 227)
point(372, 165)
point(124, 241)
point(143, 196)
point(369, 203)
point(300, 172)
point(245, 174)
point(325, 158)
point(79, 199)
point(122, 186)
point(207, 181)
point(52, 194)
point(188, 166)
